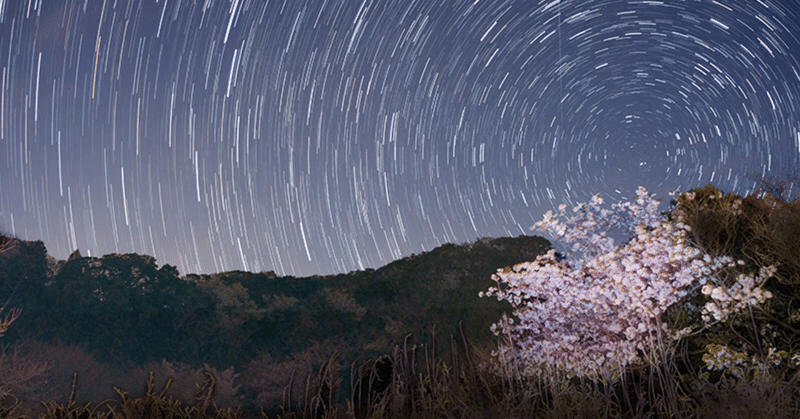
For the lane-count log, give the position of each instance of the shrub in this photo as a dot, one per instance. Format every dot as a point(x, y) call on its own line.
point(762, 230)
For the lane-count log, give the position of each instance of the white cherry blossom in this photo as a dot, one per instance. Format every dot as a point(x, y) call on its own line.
point(588, 316)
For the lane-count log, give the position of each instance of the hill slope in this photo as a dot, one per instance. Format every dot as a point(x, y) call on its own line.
point(125, 310)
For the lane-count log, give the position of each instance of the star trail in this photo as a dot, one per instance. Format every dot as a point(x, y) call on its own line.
point(323, 136)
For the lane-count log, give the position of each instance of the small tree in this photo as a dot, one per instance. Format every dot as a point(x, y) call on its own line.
point(594, 314)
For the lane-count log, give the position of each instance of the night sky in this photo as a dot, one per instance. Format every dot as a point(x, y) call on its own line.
point(323, 136)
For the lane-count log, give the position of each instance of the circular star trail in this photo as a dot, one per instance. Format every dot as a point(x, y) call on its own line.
point(323, 136)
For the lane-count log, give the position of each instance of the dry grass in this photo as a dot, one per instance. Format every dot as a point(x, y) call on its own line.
point(413, 383)
point(417, 381)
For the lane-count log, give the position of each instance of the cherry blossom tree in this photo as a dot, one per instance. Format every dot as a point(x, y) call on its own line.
point(603, 306)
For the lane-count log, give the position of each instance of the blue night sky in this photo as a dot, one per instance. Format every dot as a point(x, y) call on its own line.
point(324, 136)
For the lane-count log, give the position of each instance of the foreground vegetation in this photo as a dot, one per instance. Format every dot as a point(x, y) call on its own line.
point(414, 382)
point(747, 366)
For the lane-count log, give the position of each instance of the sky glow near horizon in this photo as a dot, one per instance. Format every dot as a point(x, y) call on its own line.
point(322, 136)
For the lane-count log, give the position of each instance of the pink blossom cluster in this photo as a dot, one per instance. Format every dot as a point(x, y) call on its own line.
point(593, 315)
point(746, 291)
